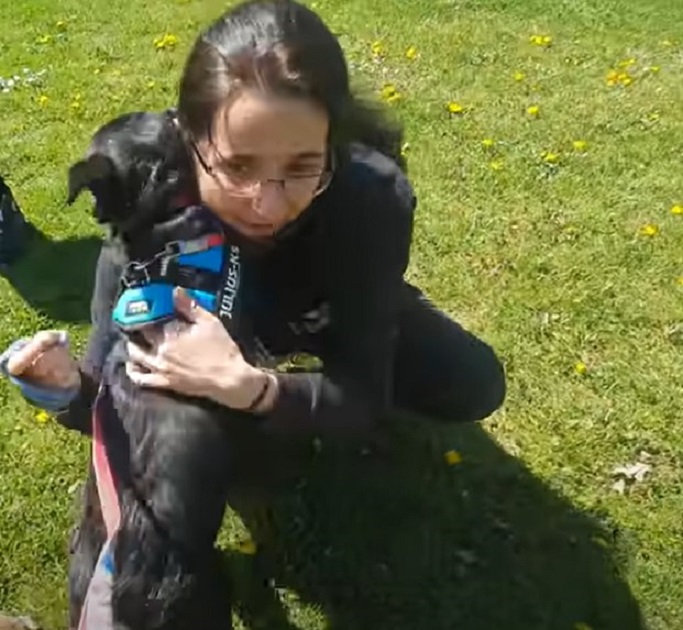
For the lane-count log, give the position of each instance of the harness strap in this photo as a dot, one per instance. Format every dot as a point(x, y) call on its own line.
point(191, 246)
point(106, 486)
point(166, 264)
point(193, 277)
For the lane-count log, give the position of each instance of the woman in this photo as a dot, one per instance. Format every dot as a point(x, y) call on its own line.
point(310, 180)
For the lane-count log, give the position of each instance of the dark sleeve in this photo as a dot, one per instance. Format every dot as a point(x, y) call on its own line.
point(372, 244)
point(78, 415)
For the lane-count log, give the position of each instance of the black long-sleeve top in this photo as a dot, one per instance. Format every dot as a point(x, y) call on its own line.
point(332, 288)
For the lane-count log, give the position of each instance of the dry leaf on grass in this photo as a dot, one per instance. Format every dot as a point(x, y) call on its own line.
point(631, 474)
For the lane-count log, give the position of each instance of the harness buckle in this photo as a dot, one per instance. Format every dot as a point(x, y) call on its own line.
point(173, 248)
point(136, 273)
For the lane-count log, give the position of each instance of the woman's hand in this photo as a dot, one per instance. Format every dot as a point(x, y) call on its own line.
point(46, 361)
point(196, 357)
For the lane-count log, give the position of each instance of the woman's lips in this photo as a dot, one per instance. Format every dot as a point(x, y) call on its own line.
point(256, 229)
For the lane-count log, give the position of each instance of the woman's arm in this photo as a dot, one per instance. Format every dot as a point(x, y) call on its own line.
point(373, 231)
point(78, 415)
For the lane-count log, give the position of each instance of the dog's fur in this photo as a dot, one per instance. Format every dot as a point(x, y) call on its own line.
point(168, 574)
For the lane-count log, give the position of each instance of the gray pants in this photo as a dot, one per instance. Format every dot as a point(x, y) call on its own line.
point(97, 611)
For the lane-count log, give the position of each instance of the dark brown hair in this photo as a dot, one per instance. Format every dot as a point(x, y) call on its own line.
point(279, 46)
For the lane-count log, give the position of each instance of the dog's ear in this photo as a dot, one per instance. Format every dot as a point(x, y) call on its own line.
point(85, 173)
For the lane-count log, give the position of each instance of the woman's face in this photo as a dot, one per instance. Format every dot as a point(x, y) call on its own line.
point(265, 161)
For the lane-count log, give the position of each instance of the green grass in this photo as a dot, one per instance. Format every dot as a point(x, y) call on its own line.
point(544, 261)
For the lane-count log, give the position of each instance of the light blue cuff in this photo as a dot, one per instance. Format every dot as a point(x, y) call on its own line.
point(49, 398)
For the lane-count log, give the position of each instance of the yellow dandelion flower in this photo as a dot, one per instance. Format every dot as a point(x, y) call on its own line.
point(677, 209)
point(44, 39)
point(452, 458)
point(496, 165)
point(411, 53)
point(653, 117)
point(405, 148)
point(533, 111)
point(550, 158)
point(612, 78)
point(580, 368)
point(42, 417)
point(541, 40)
point(167, 40)
point(61, 25)
point(97, 71)
point(455, 108)
point(43, 100)
point(580, 145)
point(151, 83)
point(627, 63)
point(488, 143)
point(519, 76)
point(625, 79)
point(247, 547)
point(389, 93)
point(377, 48)
point(649, 229)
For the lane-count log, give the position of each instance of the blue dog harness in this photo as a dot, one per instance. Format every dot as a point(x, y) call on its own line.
point(206, 267)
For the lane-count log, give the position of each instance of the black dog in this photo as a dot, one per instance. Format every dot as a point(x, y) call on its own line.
point(171, 451)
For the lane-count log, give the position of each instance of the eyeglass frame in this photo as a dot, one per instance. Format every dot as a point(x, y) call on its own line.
point(257, 184)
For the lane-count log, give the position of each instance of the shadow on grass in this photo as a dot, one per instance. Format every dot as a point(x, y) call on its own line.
point(401, 540)
point(56, 277)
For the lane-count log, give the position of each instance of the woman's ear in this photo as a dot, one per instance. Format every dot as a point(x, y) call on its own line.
point(85, 173)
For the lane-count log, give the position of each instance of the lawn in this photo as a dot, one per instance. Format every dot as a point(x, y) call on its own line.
point(544, 142)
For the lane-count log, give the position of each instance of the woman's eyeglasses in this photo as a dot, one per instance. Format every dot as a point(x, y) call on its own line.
point(239, 181)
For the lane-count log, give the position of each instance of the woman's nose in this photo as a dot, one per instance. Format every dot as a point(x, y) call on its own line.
point(271, 201)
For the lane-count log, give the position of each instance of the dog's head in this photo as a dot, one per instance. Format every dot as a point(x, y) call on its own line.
point(134, 167)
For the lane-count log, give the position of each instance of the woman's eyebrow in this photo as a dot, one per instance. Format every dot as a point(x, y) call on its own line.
point(304, 155)
point(244, 157)
point(309, 155)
